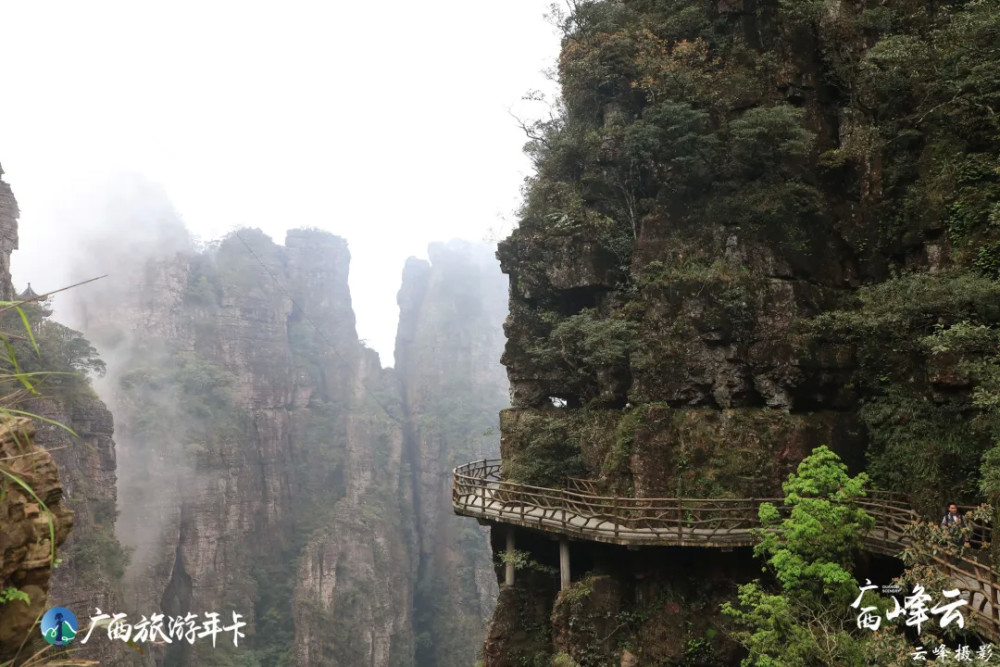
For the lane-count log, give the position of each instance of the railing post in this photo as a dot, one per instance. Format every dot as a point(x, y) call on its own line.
point(509, 573)
point(564, 504)
point(614, 514)
point(680, 521)
point(564, 572)
point(994, 603)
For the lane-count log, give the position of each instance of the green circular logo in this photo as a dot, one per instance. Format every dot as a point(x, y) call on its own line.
point(59, 626)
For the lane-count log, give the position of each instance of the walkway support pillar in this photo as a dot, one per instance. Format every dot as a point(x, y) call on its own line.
point(564, 572)
point(509, 572)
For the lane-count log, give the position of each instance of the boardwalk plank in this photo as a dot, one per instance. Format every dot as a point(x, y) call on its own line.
point(580, 512)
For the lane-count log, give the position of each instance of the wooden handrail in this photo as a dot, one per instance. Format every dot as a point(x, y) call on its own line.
point(478, 491)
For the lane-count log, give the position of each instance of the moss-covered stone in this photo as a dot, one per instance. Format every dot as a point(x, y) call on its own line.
point(750, 166)
point(27, 531)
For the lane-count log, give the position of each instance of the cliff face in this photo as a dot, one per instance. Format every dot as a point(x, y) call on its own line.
point(92, 559)
point(702, 284)
point(353, 591)
point(445, 392)
point(25, 537)
point(450, 336)
point(83, 495)
point(353, 600)
point(239, 383)
point(268, 465)
point(8, 236)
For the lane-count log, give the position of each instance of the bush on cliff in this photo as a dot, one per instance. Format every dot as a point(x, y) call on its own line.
point(810, 553)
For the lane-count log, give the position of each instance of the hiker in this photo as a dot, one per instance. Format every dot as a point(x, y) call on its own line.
point(954, 524)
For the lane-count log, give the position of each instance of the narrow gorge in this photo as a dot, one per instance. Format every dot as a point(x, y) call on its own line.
point(263, 461)
point(755, 275)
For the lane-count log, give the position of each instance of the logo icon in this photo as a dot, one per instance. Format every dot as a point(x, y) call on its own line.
point(59, 626)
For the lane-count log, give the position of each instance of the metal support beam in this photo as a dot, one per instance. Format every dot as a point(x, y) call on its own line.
point(564, 573)
point(509, 573)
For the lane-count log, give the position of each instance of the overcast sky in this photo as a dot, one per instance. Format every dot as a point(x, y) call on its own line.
point(384, 122)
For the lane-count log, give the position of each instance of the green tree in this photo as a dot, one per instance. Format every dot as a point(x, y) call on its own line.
point(36, 352)
point(810, 552)
point(813, 549)
point(591, 350)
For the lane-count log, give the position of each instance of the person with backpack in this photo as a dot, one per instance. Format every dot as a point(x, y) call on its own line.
point(954, 524)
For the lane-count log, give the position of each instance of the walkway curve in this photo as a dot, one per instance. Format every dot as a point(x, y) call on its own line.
point(579, 512)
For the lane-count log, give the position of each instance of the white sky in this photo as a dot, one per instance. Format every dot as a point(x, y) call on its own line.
point(384, 122)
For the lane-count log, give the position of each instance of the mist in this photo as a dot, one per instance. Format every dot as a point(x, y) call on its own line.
point(252, 445)
point(389, 124)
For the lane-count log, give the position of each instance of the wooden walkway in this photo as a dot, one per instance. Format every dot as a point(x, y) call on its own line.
point(580, 512)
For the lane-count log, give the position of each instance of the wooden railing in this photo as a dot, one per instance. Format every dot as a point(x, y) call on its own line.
point(479, 491)
point(579, 511)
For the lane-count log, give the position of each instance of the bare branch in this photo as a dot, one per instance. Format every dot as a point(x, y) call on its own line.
point(531, 131)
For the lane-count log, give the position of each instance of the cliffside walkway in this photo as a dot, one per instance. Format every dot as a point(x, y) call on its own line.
point(580, 512)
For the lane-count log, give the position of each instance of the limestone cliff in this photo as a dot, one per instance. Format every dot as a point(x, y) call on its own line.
point(691, 284)
point(268, 465)
point(236, 382)
point(448, 345)
point(91, 559)
point(8, 236)
point(26, 533)
point(353, 594)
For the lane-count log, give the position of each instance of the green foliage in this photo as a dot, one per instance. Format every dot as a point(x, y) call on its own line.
point(18, 382)
point(907, 308)
point(646, 129)
point(597, 63)
point(812, 550)
point(587, 343)
point(584, 625)
point(932, 88)
point(990, 484)
point(523, 561)
point(275, 629)
point(552, 454)
point(918, 446)
point(811, 553)
point(97, 552)
point(23, 368)
point(776, 635)
point(58, 357)
point(318, 465)
point(909, 332)
point(62, 348)
point(668, 111)
point(182, 393)
point(699, 649)
point(615, 468)
point(204, 287)
point(577, 593)
point(564, 660)
point(768, 141)
point(11, 594)
point(673, 141)
point(591, 351)
point(687, 121)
